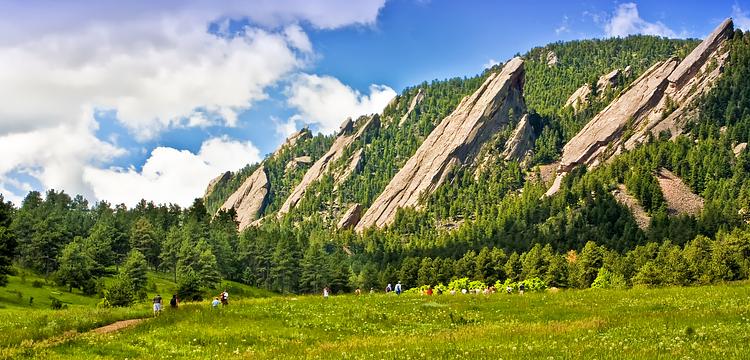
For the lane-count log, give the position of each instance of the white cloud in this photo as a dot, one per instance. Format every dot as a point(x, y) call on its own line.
point(741, 18)
point(285, 128)
point(563, 28)
point(490, 63)
point(152, 64)
point(627, 21)
point(326, 102)
point(170, 175)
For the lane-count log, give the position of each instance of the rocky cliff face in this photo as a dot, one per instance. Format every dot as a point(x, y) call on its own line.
point(656, 101)
point(455, 141)
point(350, 217)
point(521, 141)
point(249, 199)
point(217, 181)
point(604, 84)
point(344, 139)
point(414, 102)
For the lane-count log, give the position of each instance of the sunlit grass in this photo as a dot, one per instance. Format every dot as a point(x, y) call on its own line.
point(701, 322)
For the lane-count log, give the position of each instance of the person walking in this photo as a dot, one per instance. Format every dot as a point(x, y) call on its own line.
point(224, 298)
point(215, 303)
point(398, 288)
point(521, 288)
point(325, 292)
point(388, 288)
point(157, 304)
point(174, 302)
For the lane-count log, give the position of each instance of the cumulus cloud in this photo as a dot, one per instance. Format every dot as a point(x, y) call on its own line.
point(170, 175)
point(627, 21)
point(490, 63)
point(326, 102)
point(740, 17)
point(155, 65)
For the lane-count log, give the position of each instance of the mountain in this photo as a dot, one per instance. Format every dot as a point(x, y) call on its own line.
point(493, 115)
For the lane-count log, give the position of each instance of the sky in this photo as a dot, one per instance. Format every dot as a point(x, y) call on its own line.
point(129, 100)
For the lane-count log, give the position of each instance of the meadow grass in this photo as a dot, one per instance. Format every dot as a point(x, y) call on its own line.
point(696, 323)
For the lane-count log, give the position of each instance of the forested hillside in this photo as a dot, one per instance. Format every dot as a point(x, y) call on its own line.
point(489, 222)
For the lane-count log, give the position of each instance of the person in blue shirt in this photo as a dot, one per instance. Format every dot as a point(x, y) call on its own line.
point(398, 288)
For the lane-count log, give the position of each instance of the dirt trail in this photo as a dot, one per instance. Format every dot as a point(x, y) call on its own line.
point(117, 326)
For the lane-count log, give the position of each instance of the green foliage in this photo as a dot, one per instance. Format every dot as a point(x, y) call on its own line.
point(119, 293)
point(7, 242)
point(134, 269)
point(534, 284)
point(75, 266)
point(608, 280)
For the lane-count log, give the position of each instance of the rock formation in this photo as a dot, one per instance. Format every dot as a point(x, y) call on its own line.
point(551, 59)
point(605, 83)
point(294, 163)
point(249, 199)
point(351, 217)
point(739, 148)
point(680, 199)
point(355, 164)
point(520, 142)
point(344, 139)
point(655, 102)
point(455, 141)
point(303, 134)
point(221, 179)
point(414, 102)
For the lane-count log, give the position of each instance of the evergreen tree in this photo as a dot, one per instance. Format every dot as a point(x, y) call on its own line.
point(135, 269)
point(144, 239)
point(75, 266)
point(7, 242)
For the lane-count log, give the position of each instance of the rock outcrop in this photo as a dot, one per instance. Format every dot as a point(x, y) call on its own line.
point(739, 148)
point(414, 102)
point(351, 217)
point(455, 141)
point(219, 180)
point(303, 134)
point(346, 136)
point(355, 165)
point(551, 59)
point(249, 199)
point(639, 214)
point(294, 163)
point(653, 103)
point(521, 141)
point(605, 83)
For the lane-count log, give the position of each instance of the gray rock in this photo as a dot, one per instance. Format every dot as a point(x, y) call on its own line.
point(520, 142)
point(249, 199)
point(455, 141)
point(350, 217)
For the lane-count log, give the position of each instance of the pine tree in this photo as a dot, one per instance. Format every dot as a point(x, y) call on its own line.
point(135, 269)
point(75, 266)
point(170, 251)
point(7, 242)
point(143, 238)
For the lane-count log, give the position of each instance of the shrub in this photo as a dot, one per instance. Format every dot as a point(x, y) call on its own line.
point(608, 280)
point(534, 284)
point(119, 293)
point(477, 285)
point(37, 283)
point(459, 284)
point(56, 304)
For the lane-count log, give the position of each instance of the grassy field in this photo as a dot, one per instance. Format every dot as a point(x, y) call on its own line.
point(691, 323)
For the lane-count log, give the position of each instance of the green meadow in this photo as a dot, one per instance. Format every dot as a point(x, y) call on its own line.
point(669, 323)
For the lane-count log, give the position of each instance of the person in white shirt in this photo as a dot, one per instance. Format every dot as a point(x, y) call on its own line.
point(398, 288)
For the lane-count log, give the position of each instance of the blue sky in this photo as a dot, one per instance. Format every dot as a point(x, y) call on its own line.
point(123, 101)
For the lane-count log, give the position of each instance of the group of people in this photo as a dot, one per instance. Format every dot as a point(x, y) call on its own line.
point(430, 291)
point(396, 289)
point(173, 303)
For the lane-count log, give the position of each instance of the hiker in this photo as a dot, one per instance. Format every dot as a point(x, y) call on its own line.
point(358, 292)
point(388, 288)
point(429, 292)
point(174, 303)
point(157, 304)
point(215, 303)
point(509, 289)
point(372, 291)
point(224, 298)
point(398, 288)
point(325, 293)
point(520, 289)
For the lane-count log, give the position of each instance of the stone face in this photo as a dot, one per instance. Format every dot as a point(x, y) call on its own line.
point(249, 199)
point(520, 142)
point(345, 138)
point(608, 81)
point(656, 102)
point(739, 148)
point(294, 163)
point(604, 84)
point(355, 164)
point(414, 102)
point(303, 134)
point(551, 59)
point(455, 141)
point(579, 97)
point(350, 217)
point(216, 182)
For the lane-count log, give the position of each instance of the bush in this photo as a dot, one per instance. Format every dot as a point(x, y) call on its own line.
point(534, 284)
point(459, 284)
point(608, 280)
point(37, 283)
point(502, 286)
point(477, 285)
point(56, 304)
point(119, 293)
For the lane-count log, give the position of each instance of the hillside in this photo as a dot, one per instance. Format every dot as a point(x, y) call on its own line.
point(531, 170)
